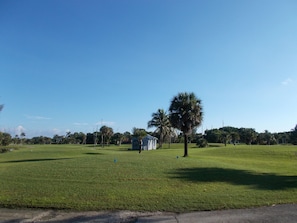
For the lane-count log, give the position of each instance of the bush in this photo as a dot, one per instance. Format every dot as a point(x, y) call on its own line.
point(4, 150)
point(202, 143)
point(5, 139)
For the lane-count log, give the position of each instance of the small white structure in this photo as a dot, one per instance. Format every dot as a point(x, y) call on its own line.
point(148, 143)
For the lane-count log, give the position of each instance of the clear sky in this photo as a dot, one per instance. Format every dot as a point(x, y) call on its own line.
point(74, 65)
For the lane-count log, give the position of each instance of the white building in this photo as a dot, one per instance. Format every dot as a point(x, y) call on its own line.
point(148, 143)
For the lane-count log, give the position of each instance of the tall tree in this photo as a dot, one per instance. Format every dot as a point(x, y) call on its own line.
point(185, 113)
point(160, 120)
point(283, 137)
point(107, 133)
point(247, 135)
point(293, 136)
point(225, 137)
point(23, 135)
point(127, 137)
point(172, 135)
point(118, 138)
point(213, 135)
point(235, 137)
point(58, 139)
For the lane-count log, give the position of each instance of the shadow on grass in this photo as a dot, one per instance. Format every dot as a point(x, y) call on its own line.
point(236, 177)
point(94, 154)
point(98, 146)
point(216, 145)
point(34, 160)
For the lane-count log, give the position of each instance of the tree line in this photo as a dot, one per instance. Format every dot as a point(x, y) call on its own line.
point(178, 125)
point(226, 135)
point(232, 135)
point(185, 114)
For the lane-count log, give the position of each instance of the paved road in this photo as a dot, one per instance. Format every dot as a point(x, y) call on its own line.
point(274, 214)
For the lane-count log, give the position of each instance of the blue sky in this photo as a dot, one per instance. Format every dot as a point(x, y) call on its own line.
point(76, 65)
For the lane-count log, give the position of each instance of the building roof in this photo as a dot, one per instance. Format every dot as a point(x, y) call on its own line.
point(148, 136)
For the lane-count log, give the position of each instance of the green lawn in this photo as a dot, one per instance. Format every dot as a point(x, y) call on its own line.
point(83, 177)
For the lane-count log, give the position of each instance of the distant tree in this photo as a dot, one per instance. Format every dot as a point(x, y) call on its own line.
point(139, 133)
point(192, 138)
point(283, 137)
point(23, 135)
point(266, 138)
point(81, 138)
point(173, 137)
point(78, 138)
point(90, 138)
point(117, 138)
point(40, 140)
point(228, 129)
point(235, 137)
point(58, 139)
point(106, 133)
point(229, 134)
point(293, 136)
point(213, 135)
point(5, 139)
point(185, 113)
point(16, 139)
point(269, 138)
point(127, 137)
point(248, 135)
point(37, 140)
point(160, 120)
point(225, 137)
point(95, 137)
point(69, 138)
point(109, 135)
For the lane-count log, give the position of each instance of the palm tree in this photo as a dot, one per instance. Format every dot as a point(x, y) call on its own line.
point(107, 133)
point(160, 120)
point(225, 137)
point(23, 135)
point(234, 137)
point(185, 113)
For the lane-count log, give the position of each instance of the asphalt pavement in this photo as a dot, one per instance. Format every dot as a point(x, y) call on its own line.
point(286, 213)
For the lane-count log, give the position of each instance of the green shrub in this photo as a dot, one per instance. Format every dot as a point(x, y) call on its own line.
point(4, 150)
point(202, 143)
point(5, 139)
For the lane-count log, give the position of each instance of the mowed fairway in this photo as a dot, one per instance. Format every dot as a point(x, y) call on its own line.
point(82, 177)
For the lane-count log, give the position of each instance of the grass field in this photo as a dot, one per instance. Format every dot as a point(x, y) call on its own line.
point(83, 177)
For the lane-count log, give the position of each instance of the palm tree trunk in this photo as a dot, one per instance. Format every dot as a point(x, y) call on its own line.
point(185, 145)
point(161, 140)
